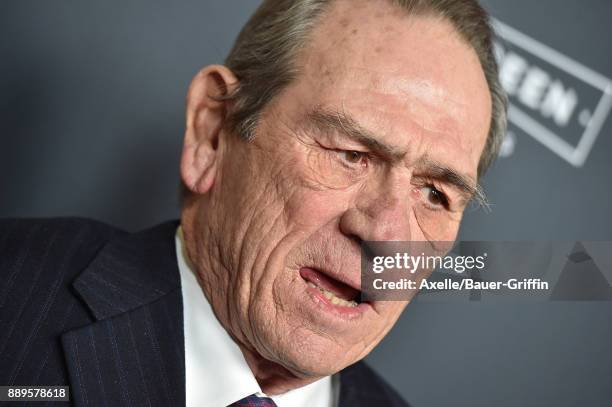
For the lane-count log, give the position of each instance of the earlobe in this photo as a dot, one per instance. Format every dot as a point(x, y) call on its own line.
point(198, 167)
point(206, 114)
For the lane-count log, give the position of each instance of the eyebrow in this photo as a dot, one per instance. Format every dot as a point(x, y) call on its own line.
point(326, 120)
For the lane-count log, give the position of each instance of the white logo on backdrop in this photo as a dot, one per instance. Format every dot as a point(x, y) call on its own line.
point(556, 100)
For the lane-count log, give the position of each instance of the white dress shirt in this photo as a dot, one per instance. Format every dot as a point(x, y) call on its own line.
point(216, 373)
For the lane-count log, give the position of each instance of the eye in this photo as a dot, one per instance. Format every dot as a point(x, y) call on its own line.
point(353, 157)
point(433, 197)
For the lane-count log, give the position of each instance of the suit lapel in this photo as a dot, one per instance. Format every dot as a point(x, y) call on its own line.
point(133, 354)
point(361, 387)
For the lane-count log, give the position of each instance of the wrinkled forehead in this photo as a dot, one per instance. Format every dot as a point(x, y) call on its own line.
point(398, 73)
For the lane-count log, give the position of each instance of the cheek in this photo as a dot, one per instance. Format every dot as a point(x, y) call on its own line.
point(320, 192)
point(440, 226)
point(311, 209)
point(435, 225)
point(323, 170)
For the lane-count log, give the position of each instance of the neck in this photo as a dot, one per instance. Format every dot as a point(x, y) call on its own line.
point(272, 377)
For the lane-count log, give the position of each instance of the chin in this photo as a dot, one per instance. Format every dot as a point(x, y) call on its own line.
point(314, 355)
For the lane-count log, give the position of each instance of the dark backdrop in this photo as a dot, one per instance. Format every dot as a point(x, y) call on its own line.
point(91, 122)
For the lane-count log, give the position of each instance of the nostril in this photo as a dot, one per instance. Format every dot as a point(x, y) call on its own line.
point(356, 239)
point(367, 251)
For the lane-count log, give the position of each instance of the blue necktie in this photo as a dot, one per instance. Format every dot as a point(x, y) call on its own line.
point(254, 401)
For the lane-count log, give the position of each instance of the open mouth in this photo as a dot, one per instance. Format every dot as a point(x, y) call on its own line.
point(336, 292)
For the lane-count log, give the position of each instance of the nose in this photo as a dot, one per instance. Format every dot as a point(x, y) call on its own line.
point(380, 213)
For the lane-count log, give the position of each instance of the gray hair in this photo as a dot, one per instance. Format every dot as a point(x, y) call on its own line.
point(264, 57)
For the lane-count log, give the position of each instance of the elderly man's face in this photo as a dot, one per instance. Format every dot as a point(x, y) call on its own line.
point(357, 148)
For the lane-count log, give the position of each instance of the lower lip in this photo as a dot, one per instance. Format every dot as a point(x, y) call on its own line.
point(347, 313)
point(338, 310)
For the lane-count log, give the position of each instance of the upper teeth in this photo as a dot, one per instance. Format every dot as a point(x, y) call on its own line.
point(333, 298)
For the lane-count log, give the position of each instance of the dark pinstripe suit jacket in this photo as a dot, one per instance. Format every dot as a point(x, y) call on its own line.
point(89, 306)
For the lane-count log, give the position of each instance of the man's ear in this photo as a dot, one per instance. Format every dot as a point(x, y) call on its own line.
point(206, 115)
